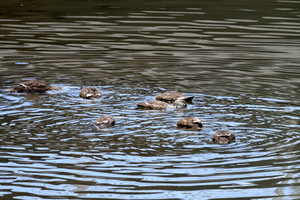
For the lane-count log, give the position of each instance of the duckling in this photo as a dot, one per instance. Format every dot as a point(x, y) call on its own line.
point(223, 137)
point(172, 96)
point(160, 105)
point(90, 93)
point(105, 121)
point(34, 86)
point(190, 122)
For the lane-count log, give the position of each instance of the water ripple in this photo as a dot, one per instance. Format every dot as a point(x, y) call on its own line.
point(240, 61)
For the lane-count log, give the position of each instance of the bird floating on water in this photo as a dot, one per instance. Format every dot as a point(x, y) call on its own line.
point(90, 93)
point(34, 86)
point(190, 122)
point(161, 105)
point(105, 121)
point(223, 137)
point(173, 96)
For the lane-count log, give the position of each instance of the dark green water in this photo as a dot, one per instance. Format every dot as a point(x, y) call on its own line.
point(239, 58)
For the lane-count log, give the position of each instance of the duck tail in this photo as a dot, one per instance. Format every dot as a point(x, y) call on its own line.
point(189, 99)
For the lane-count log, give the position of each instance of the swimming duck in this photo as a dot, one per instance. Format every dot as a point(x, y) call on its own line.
point(90, 93)
point(173, 96)
point(190, 122)
point(105, 121)
point(223, 137)
point(34, 86)
point(160, 105)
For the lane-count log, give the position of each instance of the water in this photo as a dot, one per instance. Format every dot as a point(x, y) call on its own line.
point(240, 59)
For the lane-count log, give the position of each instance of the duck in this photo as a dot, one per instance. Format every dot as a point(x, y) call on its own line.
point(161, 105)
point(173, 96)
point(34, 86)
point(190, 122)
point(223, 137)
point(90, 93)
point(105, 121)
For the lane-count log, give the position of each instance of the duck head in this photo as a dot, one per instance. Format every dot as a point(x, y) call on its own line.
point(223, 137)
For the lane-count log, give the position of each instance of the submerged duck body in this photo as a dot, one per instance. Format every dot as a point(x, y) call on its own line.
point(223, 137)
point(190, 122)
point(173, 96)
point(161, 105)
point(105, 121)
point(155, 105)
point(34, 86)
point(90, 93)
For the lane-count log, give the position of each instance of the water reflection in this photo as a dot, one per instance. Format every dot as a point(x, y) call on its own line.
point(239, 60)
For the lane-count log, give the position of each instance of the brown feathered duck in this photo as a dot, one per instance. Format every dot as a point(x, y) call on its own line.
point(190, 122)
point(105, 121)
point(223, 137)
point(34, 86)
point(173, 96)
point(90, 93)
point(161, 105)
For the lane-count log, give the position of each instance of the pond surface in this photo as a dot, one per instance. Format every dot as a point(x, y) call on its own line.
point(240, 59)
